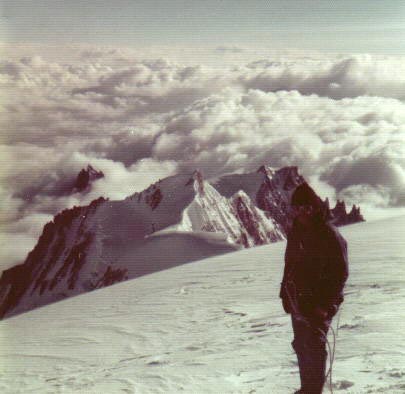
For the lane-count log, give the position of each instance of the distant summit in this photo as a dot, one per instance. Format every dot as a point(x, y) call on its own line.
point(176, 220)
point(339, 215)
point(85, 177)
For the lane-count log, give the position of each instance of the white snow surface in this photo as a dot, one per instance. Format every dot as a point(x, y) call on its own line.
point(213, 326)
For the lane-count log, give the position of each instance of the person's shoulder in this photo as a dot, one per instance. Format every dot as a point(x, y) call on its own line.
point(335, 235)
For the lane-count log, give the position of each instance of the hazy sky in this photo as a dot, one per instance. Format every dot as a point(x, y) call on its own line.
point(345, 26)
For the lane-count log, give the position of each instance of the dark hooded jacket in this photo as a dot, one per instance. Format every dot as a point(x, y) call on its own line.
point(316, 268)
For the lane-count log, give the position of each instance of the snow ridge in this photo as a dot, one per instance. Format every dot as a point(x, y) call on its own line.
point(172, 222)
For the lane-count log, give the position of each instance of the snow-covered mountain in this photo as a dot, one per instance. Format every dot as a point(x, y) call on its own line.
point(176, 220)
point(271, 190)
point(215, 326)
point(179, 219)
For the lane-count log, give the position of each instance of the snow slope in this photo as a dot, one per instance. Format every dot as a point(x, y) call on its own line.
point(109, 241)
point(213, 326)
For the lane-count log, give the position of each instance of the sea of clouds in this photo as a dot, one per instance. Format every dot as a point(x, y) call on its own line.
point(339, 118)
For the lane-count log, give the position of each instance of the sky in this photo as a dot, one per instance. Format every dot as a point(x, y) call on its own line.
point(146, 89)
point(349, 26)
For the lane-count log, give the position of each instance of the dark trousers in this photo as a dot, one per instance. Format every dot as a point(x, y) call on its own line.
point(310, 346)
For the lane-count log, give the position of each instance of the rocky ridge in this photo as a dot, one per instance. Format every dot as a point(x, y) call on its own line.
point(176, 220)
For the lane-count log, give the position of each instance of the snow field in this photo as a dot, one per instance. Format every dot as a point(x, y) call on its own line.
point(213, 326)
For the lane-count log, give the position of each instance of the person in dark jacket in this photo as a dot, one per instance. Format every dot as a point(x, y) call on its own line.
point(315, 272)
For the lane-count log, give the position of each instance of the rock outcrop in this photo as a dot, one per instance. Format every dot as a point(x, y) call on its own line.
point(339, 216)
point(85, 177)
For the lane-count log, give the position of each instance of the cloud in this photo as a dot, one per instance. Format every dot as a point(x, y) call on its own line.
point(339, 118)
point(20, 236)
point(377, 196)
point(120, 181)
point(371, 170)
point(352, 76)
point(14, 248)
point(126, 147)
point(376, 202)
point(323, 136)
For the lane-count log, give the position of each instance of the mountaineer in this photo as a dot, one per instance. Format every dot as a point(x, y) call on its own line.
point(315, 272)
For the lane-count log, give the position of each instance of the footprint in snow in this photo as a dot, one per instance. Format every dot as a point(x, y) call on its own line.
point(193, 348)
point(262, 327)
point(342, 384)
point(157, 362)
point(395, 373)
point(349, 326)
point(357, 322)
point(230, 312)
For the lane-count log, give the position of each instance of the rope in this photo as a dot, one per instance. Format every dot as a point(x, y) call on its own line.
point(332, 358)
point(331, 351)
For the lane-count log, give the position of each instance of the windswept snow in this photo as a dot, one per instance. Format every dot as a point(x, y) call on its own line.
point(213, 326)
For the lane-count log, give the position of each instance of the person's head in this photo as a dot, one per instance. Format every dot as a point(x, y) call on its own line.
point(306, 206)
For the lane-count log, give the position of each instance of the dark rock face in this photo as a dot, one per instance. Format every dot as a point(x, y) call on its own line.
point(272, 190)
point(269, 189)
point(37, 274)
point(248, 217)
point(86, 176)
point(249, 222)
point(340, 217)
point(154, 199)
point(112, 276)
point(274, 194)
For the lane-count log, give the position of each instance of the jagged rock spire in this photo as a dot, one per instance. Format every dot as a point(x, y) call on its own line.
point(197, 176)
point(86, 176)
point(340, 217)
point(266, 170)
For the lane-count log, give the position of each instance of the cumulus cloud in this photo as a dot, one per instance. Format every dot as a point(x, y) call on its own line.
point(378, 196)
point(357, 75)
point(340, 119)
point(321, 135)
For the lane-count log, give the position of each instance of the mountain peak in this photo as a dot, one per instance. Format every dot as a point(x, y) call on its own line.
point(87, 176)
point(197, 176)
point(340, 216)
point(266, 170)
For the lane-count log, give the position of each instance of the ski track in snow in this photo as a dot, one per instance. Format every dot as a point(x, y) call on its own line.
point(214, 326)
